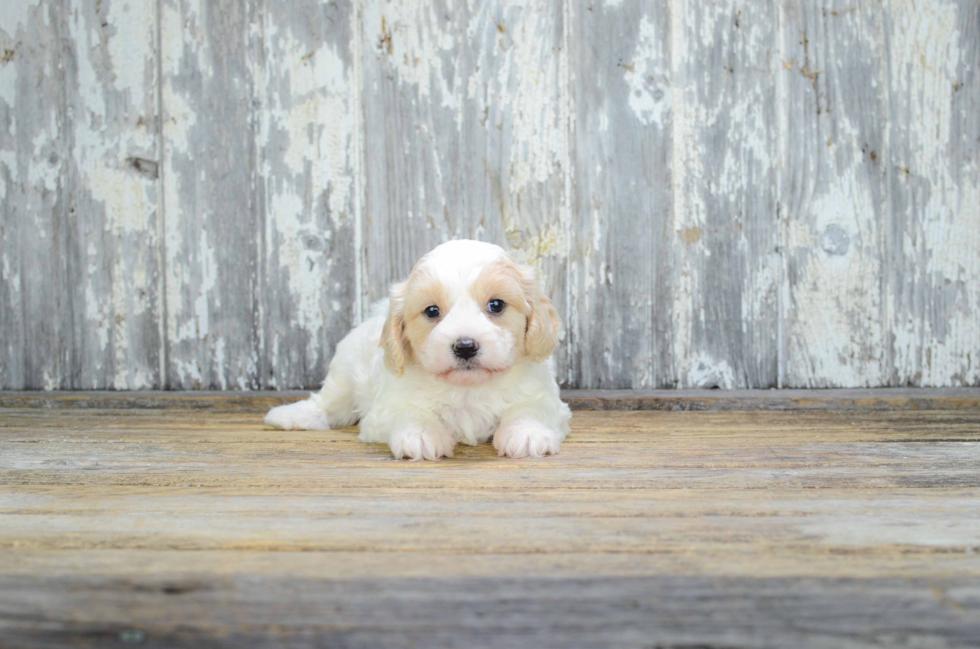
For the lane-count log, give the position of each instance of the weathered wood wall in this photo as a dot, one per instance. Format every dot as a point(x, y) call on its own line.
point(208, 194)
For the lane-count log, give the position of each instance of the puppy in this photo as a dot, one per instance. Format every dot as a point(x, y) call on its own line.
point(463, 355)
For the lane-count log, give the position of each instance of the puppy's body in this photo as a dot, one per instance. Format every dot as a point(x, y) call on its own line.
point(421, 392)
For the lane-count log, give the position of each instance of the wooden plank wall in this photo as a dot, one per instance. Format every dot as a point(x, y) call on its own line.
point(756, 193)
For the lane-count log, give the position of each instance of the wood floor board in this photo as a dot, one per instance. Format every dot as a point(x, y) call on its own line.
point(188, 527)
point(661, 611)
point(879, 399)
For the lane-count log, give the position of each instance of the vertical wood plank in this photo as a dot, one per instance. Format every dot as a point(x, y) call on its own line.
point(213, 201)
point(466, 136)
point(414, 81)
point(725, 308)
point(307, 143)
point(832, 199)
point(660, 246)
point(35, 297)
point(112, 193)
point(933, 55)
point(621, 231)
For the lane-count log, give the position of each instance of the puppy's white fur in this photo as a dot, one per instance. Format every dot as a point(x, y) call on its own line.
point(397, 374)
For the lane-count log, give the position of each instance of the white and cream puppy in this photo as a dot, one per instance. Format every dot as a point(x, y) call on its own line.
point(463, 355)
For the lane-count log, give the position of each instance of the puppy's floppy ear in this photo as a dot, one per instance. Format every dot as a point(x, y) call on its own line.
point(392, 336)
point(543, 322)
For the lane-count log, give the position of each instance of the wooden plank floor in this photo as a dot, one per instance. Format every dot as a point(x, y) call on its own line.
point(183, 527)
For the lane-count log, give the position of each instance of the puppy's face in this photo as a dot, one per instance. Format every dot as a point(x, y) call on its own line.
point(466, 314)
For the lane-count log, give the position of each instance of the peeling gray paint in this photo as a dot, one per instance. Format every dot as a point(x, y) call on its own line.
point(112, 192)
point(933, 184)
point(733, 194)
point(620, 266)
point(212, 192)
point(36, 291)
point(832, 193)
point(307, 133)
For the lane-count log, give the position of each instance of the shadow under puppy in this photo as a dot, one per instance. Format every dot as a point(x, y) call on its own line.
point(463, 355)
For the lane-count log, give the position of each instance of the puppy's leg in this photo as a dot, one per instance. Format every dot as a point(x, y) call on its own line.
point(336, 404)
point(331, 407)
point(532, 430)
point(302, 415)
point(421, 441)
point(411, 433)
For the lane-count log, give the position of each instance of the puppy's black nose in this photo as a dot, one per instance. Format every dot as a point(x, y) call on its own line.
point(465, 348)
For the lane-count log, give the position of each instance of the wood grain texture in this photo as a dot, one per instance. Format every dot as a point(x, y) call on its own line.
point(307, 138)
point(114, 194)
point(36, 291)
point(620, 273)
point(465, 134)
point(623, 612)
point(769, 529)
point(674, 399)
point(934, 189)
point(833, 202)
point(725, 308)
point(208, 195)
point(212, 193)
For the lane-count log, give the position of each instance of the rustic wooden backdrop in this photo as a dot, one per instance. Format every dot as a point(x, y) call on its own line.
point(755, 193)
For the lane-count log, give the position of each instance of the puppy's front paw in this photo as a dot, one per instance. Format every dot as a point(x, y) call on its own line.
point(526, 438)
point(417, 443)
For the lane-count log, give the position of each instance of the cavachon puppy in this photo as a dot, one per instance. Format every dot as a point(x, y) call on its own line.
point(463, 355)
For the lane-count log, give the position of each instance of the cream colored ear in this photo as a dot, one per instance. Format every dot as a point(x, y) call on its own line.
point(392, 336)
point(543, 322)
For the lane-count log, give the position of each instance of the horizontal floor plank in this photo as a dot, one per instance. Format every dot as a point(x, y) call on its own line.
point(180, 527)
point(696, 400)
point(779, 561)
point(670, 611)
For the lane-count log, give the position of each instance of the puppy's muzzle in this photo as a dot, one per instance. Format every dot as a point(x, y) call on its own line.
point(465, 348)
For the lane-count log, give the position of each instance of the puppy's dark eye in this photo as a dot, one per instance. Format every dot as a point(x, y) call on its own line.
point(495, 306)
point(431, 312)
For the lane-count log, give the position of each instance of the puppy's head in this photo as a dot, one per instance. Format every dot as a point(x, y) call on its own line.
point(466, 314)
